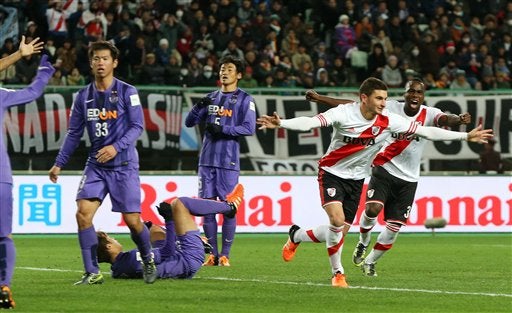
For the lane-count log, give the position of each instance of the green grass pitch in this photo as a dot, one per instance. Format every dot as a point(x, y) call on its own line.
point(422, 273)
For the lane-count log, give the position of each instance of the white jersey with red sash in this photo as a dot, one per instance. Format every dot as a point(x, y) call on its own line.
point(401, 156)
point(356, 140)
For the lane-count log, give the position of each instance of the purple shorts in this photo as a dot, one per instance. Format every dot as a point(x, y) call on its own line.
point(188, 259)
point(216, 182)
point(122, 186)
point(5, 209)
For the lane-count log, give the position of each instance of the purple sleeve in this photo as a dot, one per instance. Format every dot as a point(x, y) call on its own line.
point(33, 91)
point(248, 125)
point(136, 120)
point(195, 116)
point(75, 131)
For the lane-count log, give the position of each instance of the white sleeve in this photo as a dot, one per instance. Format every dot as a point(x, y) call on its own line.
point(301, 123)
point(436, 133)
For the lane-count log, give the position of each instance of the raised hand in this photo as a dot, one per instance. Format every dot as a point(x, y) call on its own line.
point(269, 122)
point(480, 135)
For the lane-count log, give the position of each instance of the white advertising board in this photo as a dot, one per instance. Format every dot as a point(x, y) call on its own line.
point(272, 203)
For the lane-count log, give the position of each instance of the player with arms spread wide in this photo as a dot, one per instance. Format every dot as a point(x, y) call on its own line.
point(359, 131)
point(396, 172)
point(111, 112)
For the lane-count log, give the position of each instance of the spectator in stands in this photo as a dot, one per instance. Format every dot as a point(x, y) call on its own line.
point(172, 72)
point(245, 13)
point(57, 79)
point(8, 75)
point(300, 57)
point(460, 82)
point(203, 42)
point(290, 43)
point(309, 38)
point(344, 37)
point(67, 54)
point(429, 57)
point(56, 19)
point(232, 49)
point(376, 61)
point(151, 72)
point(137, 56)
point(75, 78)
point(490, 159)
point(162, 52)
point(322, 79)
point(384, 40)
point(170, 28)
point(391, 73)
point(221, 37)
point(26, 69)
point(207, 77)
point(340, 73)
point(248, 80)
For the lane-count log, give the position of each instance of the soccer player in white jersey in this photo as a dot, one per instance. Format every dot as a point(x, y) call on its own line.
point(359, 131)
point(396, 172)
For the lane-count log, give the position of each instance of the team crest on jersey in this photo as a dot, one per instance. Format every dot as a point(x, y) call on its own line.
point(331, 192)
point(233, 98)
point(375, 130)
point(113, 97)
point(370, 193)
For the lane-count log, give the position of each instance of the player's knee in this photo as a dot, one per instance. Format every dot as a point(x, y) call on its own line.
point(373, 209)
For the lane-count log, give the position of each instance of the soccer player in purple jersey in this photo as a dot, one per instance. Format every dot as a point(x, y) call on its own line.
point(172, 260)
point(9, 98)
point(111, 112)
point(360, 129)
point(227, 113)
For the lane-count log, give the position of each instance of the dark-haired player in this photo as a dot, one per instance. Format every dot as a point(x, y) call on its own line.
point(228, 114)
point(111, 112)
point(172, 260)
point(396, 171)
point(360, 130)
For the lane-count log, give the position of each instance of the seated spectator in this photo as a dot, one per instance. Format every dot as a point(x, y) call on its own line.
point(8, 75)
point(391, 73)
point(57, 79)
point(207, 77)
point(309, 38)
point(247, 80)
point(162, 52)
point(151, 73)
point(460, 82)
point(344, 37)
point(232, 49)
point(300, 57)
point(322, 79)
point(490, 159)
point(75, 78)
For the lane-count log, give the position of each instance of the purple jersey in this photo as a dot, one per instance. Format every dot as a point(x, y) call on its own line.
point(8, 98)
point(111, 117)
point(235, 112)
point(184, 263)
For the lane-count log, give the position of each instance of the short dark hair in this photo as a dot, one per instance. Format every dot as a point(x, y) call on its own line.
point(104, 45)
point(101, 249)
point(371, 84)
point(239, 64)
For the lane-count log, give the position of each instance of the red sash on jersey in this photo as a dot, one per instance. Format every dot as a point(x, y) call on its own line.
point(398, 146)
point(371, 132)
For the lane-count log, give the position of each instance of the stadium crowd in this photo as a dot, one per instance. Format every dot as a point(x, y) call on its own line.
point(297, 43)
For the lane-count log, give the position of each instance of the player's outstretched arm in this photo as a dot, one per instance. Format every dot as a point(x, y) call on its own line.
point(312, 95)
point(480, 135)
point(301, 123)
point(35, 46)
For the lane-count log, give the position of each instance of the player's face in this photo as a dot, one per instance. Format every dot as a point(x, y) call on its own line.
point(376, 101)
point(414, 97)
point(103, 64)
point(228, 74)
